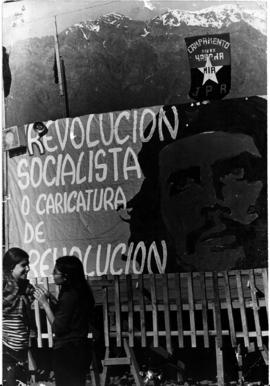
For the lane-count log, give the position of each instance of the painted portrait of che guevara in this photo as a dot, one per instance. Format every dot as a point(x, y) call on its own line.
point(205, 192)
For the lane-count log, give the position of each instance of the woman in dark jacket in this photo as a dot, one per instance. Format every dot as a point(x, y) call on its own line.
point(16, 317)
point(70, 320)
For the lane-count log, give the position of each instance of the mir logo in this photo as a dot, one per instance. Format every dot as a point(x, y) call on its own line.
point(209, 70)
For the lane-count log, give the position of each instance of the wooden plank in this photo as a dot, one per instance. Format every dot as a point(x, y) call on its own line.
point(154, 309)
point(242, 307)
point(177, 280)
point(265, 286)
point(105, 309)
point(134, 365)
point(116, 361)
point(37, 318)
point(239, 359)
point(117, 311)
point(217, 311)
point(185, 307)
point(265, 354)
point(98, 292)
point(49, 327)
point(219, 363)
point(94, 369)
point(167, 313)
point(130, 311)
point(255, 307)
point(104, 375)
point(142, 310)
point(191, 309)
point(204, 309)
point(265, 333)
point(229, 308)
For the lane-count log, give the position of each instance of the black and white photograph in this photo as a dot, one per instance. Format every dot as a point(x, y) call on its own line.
point(134, 193)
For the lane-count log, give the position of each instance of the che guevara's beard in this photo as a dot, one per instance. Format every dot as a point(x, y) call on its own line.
point(241, 234)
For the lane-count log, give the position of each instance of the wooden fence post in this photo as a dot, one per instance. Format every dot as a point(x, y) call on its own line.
point(219, 363)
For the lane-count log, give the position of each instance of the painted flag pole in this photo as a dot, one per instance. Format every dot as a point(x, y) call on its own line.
point(63, 70)
point(59, 71)
point(58, 61)
point(5, 197)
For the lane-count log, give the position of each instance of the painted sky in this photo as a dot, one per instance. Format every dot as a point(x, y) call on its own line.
point(30, 18)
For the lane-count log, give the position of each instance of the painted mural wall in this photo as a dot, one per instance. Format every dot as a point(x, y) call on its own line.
point(125, 54)
point(158, 189)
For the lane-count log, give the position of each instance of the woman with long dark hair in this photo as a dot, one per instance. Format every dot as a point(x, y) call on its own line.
point(17, 299)
point(70, 320)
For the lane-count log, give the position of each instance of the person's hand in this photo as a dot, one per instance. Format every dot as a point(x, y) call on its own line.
point(40, 295)
point(44, 290)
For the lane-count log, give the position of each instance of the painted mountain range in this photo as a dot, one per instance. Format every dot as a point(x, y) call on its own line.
point(116, 62)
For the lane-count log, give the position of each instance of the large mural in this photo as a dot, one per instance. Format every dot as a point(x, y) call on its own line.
point(159, 189)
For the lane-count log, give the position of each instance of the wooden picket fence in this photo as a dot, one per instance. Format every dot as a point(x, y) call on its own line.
point(194, 309)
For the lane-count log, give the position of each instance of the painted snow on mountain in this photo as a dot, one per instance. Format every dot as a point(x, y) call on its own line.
point(256, 19)
point(148, 4)
point(112, 21)
point(114, 18)
point(145, 33)
point(215, 17)
point(88, 25)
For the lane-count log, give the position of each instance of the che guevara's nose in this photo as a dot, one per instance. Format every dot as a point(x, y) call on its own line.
point(211, 210)
point(211, 201)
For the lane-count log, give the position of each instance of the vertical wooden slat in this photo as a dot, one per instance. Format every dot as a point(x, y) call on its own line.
point(219, 363)
point(191, 309)
point(242, 307)
point(265, 286)
point(94, 369)
point(255, 307)
point(167, 313)
point(217, 311)
point(154, 309)
point(106, 317)
point(177, 280)
point(117, 311)
point(135, 370)
point(229, 308)
point(104, 375)
point(37, 318)
point(142, 310)
point(204, 309)
point(49, 327)
point(130, 311)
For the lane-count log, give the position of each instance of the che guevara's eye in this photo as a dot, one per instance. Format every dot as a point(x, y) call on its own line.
point(182, 180)
point(237, 173)
point(180, 185)
point(244, 167)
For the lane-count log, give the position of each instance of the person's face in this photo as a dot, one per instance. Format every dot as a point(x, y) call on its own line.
point(208, 196)
point(59, 278)
point(9, 138)
point(21, 270)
